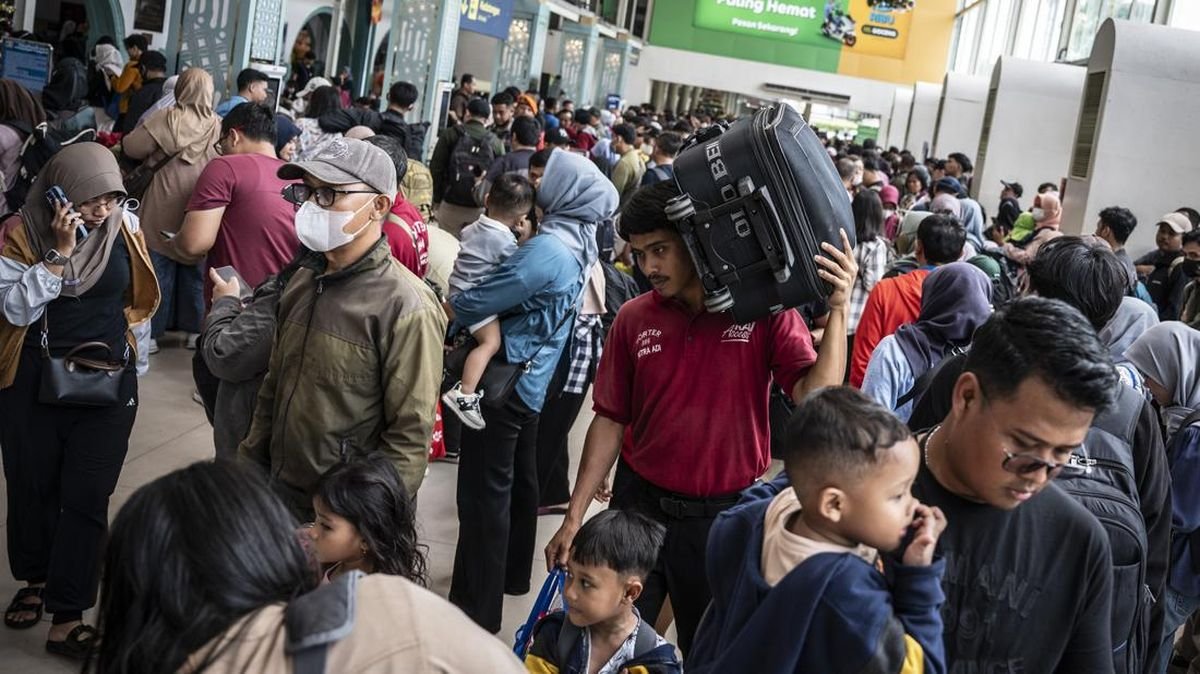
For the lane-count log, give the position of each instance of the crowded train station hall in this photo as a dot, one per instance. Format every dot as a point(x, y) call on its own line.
point(600, 336)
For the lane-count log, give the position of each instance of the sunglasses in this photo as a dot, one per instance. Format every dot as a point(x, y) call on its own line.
point(1028, 464)
point(298, 193)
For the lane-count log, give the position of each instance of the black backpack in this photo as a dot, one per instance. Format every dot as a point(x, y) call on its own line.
point(619, 288)
point(41, 143)
point(1004, 287)
point(1109, 491)
point(470, 159)
point(411, 136)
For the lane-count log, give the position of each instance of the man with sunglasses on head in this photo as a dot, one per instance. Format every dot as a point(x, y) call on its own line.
point(1029, 572)
point(357, 359)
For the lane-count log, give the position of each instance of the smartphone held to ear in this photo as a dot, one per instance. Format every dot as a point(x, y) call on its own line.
point(57, 197)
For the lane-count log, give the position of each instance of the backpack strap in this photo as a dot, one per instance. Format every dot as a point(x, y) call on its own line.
point(568, 636)
point(1192, 418)
point(646, 640)
point(317, 620)
point(922, 383)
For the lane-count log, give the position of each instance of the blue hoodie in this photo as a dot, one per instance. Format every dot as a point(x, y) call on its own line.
point(833, 613)
point(535, 289)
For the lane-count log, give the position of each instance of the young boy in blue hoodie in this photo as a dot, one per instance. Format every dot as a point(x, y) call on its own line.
point(601, 631)
point(796, 576)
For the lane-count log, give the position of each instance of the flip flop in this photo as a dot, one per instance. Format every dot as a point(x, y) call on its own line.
point(75, 646)
point(19, 605)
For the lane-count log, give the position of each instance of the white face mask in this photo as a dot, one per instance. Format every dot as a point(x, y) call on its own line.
point(322, 230)
point(888, 212)
point(1039, 214)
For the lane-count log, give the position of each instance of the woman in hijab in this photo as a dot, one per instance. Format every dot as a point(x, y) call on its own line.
point(287, 136)
point(537, 290)
point(1047, 215)
point(1168, 354)
point(20, 112)
point(1132, 320)
point(184, 136)
point(69, 277)
point(955, 300)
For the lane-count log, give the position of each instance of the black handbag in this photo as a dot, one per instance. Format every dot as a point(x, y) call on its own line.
point(75, 381)
point(138, 180)
point(500, 377)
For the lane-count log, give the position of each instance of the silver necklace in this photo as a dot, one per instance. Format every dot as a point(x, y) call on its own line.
point(928, 442)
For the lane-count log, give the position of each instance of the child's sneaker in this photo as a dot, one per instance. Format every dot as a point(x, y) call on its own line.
point(465, 407)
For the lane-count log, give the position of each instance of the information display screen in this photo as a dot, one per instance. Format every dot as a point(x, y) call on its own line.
point(27, 63)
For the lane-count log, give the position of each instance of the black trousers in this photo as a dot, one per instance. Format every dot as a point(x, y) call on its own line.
point(497, 512)
point(61, 465)
point(680, 571)
point(553, 457)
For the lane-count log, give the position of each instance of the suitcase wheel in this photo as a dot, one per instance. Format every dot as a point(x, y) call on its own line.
point(680, 208)
point(718, 301)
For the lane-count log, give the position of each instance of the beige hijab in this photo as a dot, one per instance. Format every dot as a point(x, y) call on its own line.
point(186, 128)
point(84, 171)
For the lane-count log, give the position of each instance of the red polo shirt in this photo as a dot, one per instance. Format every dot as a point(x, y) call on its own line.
point(692, 390)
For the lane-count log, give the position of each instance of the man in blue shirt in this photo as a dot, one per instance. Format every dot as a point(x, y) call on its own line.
point(252, 88)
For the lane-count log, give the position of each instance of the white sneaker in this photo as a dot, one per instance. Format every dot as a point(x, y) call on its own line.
point(191, 341)
point(465, 407)
point(153, 346)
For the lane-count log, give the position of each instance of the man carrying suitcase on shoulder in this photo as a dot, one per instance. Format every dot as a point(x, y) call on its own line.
point(692, 389)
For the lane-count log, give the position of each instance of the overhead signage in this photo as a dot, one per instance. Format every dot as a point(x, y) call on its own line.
point(488, 17)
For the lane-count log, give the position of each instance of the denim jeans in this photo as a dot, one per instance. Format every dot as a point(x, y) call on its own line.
point(182, 288)
point(1178, 607)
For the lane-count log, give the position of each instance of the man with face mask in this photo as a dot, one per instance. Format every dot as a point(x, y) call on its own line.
point(357, 358)
point(1185, 281)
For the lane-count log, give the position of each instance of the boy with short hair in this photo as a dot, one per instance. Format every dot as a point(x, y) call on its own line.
point(486, 243)
point(795, 570)
point(601, 632)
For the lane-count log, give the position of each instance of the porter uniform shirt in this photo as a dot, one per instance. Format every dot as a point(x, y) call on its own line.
point(692, 390)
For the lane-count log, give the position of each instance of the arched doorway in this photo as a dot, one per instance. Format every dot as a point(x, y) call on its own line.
point(315, 33)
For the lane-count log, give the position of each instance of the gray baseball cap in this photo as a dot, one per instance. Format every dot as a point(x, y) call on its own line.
point(344, 161)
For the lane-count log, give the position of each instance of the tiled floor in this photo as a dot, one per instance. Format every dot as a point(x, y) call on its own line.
point(171, 432)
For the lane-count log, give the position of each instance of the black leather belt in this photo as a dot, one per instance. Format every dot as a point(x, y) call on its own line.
point(682, 508)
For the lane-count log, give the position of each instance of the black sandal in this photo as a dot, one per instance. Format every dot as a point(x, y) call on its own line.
point(74, 646)
point(19, 605)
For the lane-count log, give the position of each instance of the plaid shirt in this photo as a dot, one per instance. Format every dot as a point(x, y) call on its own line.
point(872, 263)
point(587, 343)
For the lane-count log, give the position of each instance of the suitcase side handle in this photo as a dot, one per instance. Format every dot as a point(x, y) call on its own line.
point(763, 219)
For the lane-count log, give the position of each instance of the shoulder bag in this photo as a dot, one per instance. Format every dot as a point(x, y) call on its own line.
point(138, 180)
point(500, 377)
point(75, 381)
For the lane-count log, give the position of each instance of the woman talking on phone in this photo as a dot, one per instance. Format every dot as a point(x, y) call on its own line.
point(74, 276)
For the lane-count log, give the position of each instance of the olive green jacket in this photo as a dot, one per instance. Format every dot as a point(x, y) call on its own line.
point(355, 369)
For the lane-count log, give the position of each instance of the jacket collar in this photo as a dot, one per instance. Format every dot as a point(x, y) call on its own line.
point(378, 255)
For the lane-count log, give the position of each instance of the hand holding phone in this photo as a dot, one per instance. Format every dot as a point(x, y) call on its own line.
point(67, 225)
point(228, 283)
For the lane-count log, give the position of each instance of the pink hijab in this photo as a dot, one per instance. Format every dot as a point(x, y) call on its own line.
point(1052, 206)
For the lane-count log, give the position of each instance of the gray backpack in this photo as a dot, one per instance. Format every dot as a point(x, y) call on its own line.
point(1109, 491)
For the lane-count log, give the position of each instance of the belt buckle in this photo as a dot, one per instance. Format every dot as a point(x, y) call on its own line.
point(673, 507)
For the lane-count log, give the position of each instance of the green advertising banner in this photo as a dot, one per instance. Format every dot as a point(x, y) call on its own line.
point(793, 20)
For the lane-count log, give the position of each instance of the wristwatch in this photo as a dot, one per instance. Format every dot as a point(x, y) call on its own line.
point(53, 257)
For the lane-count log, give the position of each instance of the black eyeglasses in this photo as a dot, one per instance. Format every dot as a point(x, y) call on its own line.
point(298, 193)
point(1028, 464)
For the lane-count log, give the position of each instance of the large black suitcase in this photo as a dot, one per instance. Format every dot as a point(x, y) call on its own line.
point(757, 199)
